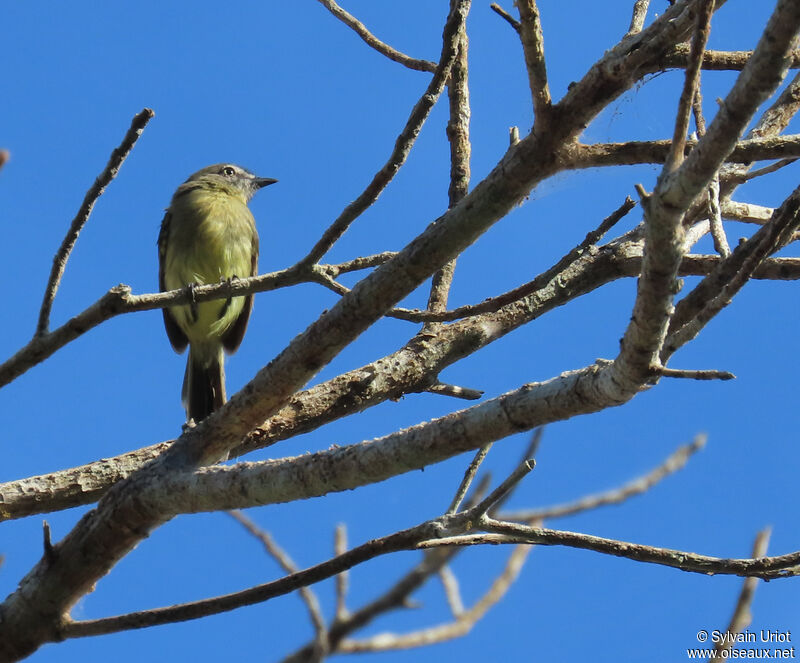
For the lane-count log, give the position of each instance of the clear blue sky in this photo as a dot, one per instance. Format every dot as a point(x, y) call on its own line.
point(286, 90)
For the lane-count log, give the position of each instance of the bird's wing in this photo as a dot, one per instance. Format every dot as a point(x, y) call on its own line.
point(175, 334)
point(232, 338)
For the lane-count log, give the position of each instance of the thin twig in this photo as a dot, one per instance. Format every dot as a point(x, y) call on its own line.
point(715, 291)
point(343, 578)
point(495, 303)
point(119, 155)
point(760, 172)
point(497, 9)
point(502, 491)
point(458, 627)
point(356, 264)
point(690, 374)
point(403, 540)
point(741, 617)
point(403, 144)
point(714, 212)
point(460, 151)
point(676, 461)
point(288, 565)
point(697, 111)
point(398, 595)
point(455, 391)
point(119, 300)
point(469, 475)
point(533, 445)
point(690, 85)
point(715, 218)
point(451, 591)
point(371, 40)
point(49, 551)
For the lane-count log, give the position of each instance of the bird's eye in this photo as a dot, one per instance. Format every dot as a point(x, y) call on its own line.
point(228, 170)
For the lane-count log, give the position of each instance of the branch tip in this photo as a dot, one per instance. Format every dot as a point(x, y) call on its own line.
point(663, 371)
point(502, 13)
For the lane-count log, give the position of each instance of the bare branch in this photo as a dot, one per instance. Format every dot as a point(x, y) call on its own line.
point(638, 17)
point(500, 493)
point(119, 301)
point(458, 627)
point(678, 58)
point(766, 170)
point(637, 152)
point(691, 85)
point(49, 552)
point(451, 590)
point(741, 617)
point(644, 338)
point(342, 578)
point(399, 594)
point(497, 9)
point(356, 264)
point(776, 118)
point(460, 151)
point(118, 156)
point(714, 292)
point(533, 47)
point(455, 391)
point(469, 475)
point(768, 568)
point(377, 381)
point(177, 482)
point(676, 461)
point(746, 212)
point(403, 540)
point(715, 217)
point(288, 565)
point(692, 374)
point(403, 144)
point(374, 42)
point(496, 303)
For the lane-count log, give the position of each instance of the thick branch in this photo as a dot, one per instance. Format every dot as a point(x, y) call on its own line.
point(387, 378)
point(676, 190)
point(533, 47)
point(716, 60)
point(655, 151)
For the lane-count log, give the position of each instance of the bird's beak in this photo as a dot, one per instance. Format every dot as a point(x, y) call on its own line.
point(261, 182)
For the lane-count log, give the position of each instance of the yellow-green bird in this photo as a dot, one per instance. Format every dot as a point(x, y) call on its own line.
point(208, 235)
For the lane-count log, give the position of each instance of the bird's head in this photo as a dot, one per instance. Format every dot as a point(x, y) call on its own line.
point(232, 179)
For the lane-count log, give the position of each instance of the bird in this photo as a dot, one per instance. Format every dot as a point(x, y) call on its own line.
point(208, 235)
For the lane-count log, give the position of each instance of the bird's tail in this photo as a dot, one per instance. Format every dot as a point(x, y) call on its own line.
point(203, 384)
